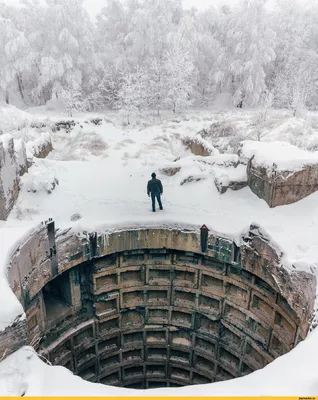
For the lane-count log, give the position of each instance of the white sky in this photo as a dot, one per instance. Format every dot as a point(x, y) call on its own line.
point(93, 6)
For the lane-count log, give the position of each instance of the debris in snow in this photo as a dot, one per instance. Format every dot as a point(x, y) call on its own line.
point(76, 217)
point(96, 121)
point(170, 171)
point(194, 178)
point(66, 125)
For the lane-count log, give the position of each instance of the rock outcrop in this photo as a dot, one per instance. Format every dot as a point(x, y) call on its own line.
point(41, 147)
point(13, 163)
point(280, 173)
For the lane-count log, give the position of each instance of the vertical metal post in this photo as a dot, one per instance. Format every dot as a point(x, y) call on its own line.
point(51, 237)
point(204, 238)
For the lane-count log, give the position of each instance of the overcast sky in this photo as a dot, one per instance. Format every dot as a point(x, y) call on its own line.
point(93, 6)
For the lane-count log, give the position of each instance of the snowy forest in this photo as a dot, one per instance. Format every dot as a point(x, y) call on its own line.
point(155, 55)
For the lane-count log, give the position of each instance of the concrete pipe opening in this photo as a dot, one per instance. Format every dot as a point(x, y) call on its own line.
point(147, 309)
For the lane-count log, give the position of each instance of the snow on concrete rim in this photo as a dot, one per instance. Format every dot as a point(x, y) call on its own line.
point(84, 226)
point(277, 156)
point(14, 233)
point(88, 225)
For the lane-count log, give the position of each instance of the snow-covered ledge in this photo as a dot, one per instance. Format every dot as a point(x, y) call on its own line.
point(256, 295)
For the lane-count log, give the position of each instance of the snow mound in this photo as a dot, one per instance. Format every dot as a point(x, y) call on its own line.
point(84, 146)
point(11, 118)
point(38, 182)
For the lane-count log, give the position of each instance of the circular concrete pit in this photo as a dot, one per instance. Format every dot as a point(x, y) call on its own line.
point(148, 308)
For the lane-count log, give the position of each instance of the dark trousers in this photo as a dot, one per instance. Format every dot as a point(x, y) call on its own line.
point(155, 196)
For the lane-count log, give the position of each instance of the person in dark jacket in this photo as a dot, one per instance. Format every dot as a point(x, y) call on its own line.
point(155, 189)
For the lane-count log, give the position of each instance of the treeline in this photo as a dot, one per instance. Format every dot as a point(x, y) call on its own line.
point(153, 54)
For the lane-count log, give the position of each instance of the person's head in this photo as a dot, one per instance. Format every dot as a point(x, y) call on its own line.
point(153, 175)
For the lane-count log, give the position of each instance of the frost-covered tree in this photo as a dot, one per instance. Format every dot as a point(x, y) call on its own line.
point(184, 56)
point(71, 94)
point(251, 43)
point(133, 96)
point(106, 89)
point(179, 68)
point(14, 51)
point(295, 86)
point(261, 118)
point(207, 53)
point(61, 38)
point(295, 74)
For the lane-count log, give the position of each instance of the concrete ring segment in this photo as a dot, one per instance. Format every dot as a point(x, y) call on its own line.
point(147, 308)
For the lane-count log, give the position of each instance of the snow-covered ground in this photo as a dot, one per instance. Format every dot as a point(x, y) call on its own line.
point(101, 172)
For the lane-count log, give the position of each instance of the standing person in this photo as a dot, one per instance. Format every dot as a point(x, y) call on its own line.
point(155, 188)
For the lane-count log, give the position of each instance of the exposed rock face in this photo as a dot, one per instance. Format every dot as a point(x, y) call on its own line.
point(41, 147)
point(10, 170)
point(200, 147)
point(14, 163)
point(282, 187)
point(21, 156)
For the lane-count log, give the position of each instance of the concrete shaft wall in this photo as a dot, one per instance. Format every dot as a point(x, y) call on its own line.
point(145, 308)
point(165, 317)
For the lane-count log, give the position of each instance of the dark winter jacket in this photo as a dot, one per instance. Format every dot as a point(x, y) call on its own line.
point(154, 186)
